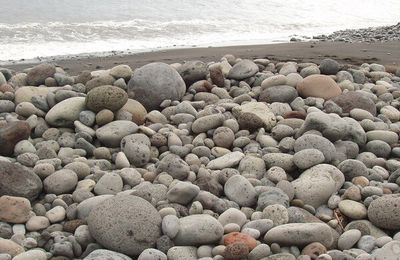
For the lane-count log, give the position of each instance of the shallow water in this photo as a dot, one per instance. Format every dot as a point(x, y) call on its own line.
point(40, 28)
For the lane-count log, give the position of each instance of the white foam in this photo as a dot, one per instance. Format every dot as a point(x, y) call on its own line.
point(199, 22)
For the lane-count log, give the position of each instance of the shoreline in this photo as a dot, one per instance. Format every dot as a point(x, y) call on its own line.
point(386, 53)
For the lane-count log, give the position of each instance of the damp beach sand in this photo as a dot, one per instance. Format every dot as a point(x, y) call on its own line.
point(386, 53)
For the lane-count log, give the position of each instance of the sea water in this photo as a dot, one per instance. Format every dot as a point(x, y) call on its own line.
point(43, 28)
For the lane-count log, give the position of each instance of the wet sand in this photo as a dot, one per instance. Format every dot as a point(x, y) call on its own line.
point(386, 53)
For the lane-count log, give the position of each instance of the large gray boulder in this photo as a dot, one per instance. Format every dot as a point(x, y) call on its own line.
point(155, 82)
point(19, 181)
point(126, 224)
point(85, 207)
point(384, 212)
point(243, 69)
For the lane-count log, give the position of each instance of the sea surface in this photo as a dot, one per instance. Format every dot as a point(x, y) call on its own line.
point(43, 28)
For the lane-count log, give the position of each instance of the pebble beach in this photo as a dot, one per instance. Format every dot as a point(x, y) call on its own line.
point(229, 157)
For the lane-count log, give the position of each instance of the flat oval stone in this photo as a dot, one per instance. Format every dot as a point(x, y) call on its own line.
point(348, 239)
point(226, 161)
point(205, 123)
point(106, 97)
point(170, 226)
point(307, 158)
point(383, 135)
point(57, 115)
point(300, 234)
point(198, 230)
point(283, 160)
point(121, 71)
point(243, 69)
point(112, 133)
point(353, 209)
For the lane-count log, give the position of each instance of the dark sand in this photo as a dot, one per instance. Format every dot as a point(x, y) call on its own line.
point(387, 53)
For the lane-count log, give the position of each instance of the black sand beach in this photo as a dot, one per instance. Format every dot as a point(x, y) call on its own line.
point(386, 53)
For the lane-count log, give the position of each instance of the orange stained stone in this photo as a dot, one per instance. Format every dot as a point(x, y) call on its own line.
point(237, 237)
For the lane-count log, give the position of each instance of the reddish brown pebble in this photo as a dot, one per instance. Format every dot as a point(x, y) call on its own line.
point(391, 68)
point(137, 110)
point(71, 225)
point(352, 193)
point(6, 88)
point(14, 209)
point(295, 114)
point(217, 77)
point(320, 86)
point(387, 191)
point(202, 86)
point(237, 237)
point(313, 250)
point(297, 203)
point(236, 251)
point(360, 180)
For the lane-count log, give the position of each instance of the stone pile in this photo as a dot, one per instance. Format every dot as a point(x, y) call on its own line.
point(371, 34)
point(235, 159)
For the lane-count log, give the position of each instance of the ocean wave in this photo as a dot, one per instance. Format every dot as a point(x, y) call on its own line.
point(152, 24)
